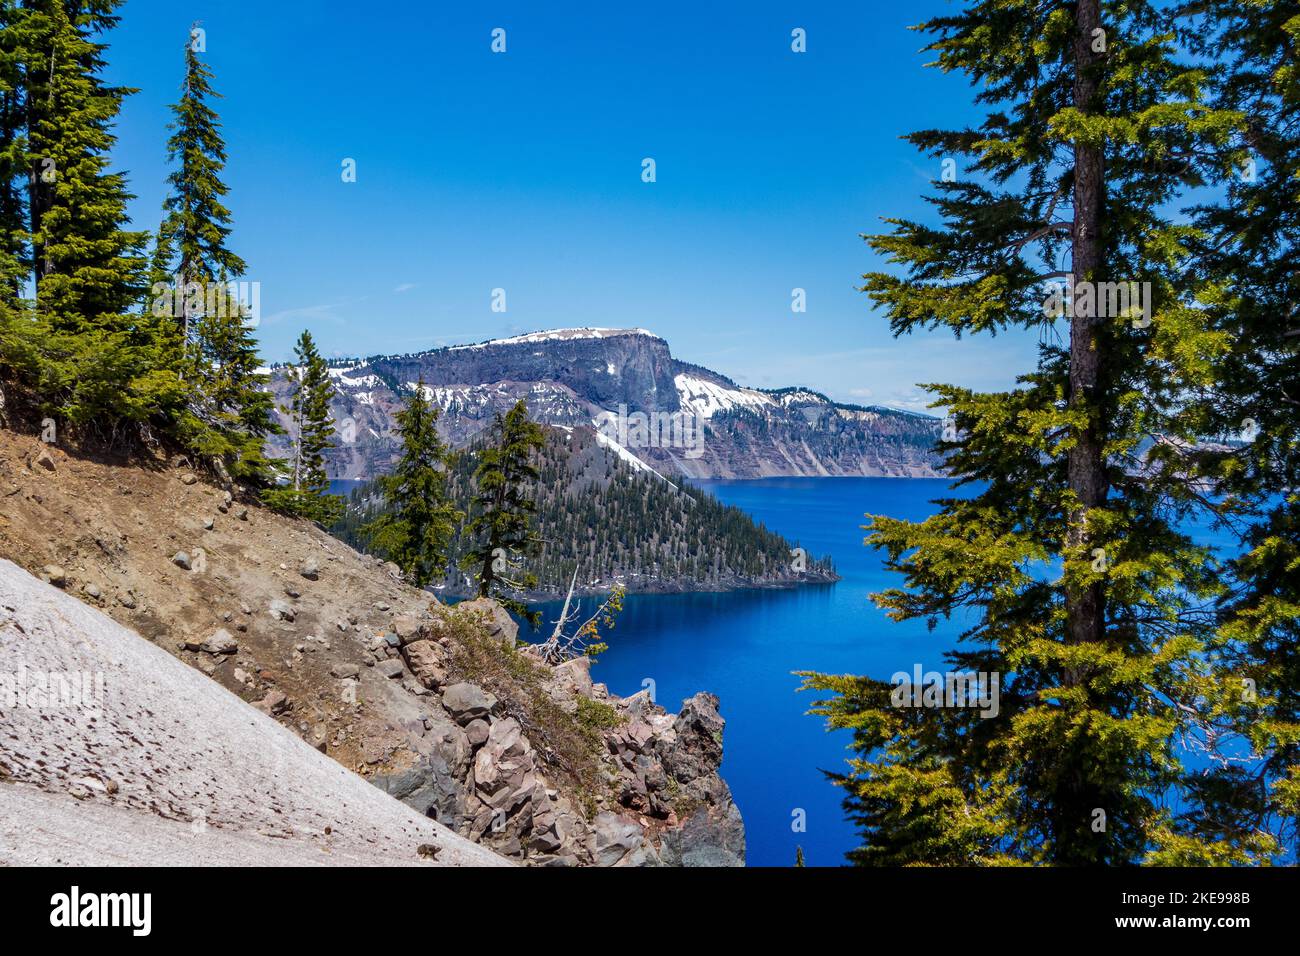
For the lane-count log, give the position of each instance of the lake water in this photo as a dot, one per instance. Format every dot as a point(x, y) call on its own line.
point(743, 646)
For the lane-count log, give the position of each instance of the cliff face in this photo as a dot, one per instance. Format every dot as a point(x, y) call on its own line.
point(603, 378)
point(430, 703)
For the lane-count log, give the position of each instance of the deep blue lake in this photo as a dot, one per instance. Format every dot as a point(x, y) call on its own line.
point(744, 645)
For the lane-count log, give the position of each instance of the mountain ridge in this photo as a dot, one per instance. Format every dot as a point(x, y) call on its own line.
point(702, 424)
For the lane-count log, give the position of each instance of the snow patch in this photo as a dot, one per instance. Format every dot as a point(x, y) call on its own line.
point(554, 335)
point(706, 398)
point(637, 464)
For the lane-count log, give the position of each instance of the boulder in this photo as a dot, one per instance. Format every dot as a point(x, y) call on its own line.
point(44, 460)
point(613, 838)
point(496, 619)
point(467, 702)
point(476, 731)
point(309, 569)
point(343, 670)
point(572, 679)
point(408, 628)
point(54, 574)
point(392, 668)
point(426, 661)
point(182, 560)
point(275, 702)
point(220, 642)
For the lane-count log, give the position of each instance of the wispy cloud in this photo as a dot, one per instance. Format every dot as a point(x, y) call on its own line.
point(325, 312)
point(404, 287)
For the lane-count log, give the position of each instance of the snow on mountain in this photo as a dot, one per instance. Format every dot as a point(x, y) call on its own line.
point(554, 335)
point(637, 464)
point(706, 398)
point(341, 377)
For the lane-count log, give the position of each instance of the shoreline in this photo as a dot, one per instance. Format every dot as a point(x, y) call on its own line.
point(653, 587)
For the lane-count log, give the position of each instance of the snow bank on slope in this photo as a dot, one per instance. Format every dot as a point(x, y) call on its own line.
point(158, 765)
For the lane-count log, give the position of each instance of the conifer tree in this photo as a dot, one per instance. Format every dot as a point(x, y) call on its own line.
point(420, 520)
point(1066, 564)
point(98, 361)
point(17, 344)
point(311, 430)
point(230, 411)
point(504, 510)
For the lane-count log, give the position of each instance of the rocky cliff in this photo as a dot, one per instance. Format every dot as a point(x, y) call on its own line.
point(432, 704)
point(677, 418)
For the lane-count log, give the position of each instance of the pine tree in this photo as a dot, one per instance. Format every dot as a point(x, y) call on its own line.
point(502, 522)
point(18, 364)
point(417, 529)
point(214, 351)
point(1066, 564)
point(305, 495)
point(98, 361)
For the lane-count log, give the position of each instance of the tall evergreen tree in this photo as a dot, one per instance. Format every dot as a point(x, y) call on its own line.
point(1067, 562)
point(504, 510)
point(312, 431)
point(230, 412)
point(420, 520)
point(99, 361)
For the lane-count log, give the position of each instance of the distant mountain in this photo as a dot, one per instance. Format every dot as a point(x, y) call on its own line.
point(656, 412)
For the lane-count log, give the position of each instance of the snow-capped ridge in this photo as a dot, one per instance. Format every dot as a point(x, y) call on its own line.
point(553, 335)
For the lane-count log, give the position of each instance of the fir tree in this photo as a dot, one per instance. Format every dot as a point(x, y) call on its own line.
point(98, 361)
point(1066, 564)
point(312, 429)
point(229, 413)
point(504, 510)
point(420, 521)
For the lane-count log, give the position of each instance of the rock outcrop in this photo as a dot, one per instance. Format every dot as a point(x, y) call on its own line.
point(656, 797)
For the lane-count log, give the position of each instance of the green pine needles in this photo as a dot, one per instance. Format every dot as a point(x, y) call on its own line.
point(502, 521)
point(1123, 646)
point(416, 532)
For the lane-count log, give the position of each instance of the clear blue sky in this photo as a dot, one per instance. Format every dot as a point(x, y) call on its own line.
point(522, 171)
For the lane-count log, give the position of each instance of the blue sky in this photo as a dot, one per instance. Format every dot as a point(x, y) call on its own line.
point(522, 171)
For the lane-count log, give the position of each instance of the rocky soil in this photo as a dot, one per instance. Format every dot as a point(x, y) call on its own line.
point(434, 706)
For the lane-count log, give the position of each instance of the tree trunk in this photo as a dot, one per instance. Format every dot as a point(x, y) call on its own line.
point(1085, 606)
